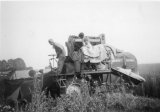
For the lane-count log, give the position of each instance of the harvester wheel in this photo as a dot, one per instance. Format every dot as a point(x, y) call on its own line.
point(74, 89)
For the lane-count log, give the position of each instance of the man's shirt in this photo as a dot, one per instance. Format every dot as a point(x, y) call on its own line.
point(59, 49)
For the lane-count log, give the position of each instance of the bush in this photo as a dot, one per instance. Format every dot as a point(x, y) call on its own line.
point(102, 100)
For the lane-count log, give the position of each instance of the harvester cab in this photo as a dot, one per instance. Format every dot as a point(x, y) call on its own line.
point(75, 43)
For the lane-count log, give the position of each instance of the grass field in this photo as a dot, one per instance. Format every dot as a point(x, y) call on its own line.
point(103, 100)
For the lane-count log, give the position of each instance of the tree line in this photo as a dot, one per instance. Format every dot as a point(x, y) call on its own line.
point(12, 64)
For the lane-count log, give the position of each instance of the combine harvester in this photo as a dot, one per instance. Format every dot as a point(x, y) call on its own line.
point(101, 63)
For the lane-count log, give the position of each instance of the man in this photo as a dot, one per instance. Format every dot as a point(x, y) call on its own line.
point(60, 54)
point(81, 35)
point(77, 55)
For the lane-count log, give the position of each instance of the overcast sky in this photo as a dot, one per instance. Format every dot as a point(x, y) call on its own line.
point(27, 26)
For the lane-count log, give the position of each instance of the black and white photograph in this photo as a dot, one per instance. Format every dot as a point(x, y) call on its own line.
point(80, 56)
